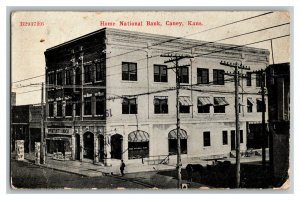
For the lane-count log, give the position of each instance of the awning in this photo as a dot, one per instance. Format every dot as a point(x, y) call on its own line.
point(173, 134)
point(185, 101)
point(138, 136)
point(204, 101)
point(250, 100)
point(220, 101)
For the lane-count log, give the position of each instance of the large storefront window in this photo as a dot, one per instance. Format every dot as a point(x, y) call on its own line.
point(138, 145)
point(172, 137)
point(59, 147)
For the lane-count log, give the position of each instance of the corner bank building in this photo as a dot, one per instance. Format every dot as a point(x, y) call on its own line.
point(110, 96)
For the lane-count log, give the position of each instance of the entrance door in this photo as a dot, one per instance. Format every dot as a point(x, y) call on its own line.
point(88, 142)
point(101, 148)
point(77, 149)
point(232, 140)
point(116, 146)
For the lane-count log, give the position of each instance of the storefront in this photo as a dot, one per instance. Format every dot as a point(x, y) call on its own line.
point(59, 143)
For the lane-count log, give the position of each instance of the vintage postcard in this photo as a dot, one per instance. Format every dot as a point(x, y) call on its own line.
point(150, 99)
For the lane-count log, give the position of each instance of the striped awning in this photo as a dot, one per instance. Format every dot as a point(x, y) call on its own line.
point(250, 100)
point(185, 101)
point(173, 134)
point(138, 136)
point(204, 101)
point(220, 101)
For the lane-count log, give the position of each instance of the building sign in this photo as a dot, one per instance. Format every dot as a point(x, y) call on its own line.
point(20, 149)
point(37, 152)
point(60, 131)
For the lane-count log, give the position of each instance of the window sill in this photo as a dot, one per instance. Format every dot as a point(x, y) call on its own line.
point(68, 116)
point(87, 115)
point(128, 81)
point(89, 83)
point(101, 81)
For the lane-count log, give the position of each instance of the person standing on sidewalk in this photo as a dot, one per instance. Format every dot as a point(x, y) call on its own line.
point(122, 167)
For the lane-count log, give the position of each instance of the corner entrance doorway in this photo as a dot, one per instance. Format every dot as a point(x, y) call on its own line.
point(116, 146)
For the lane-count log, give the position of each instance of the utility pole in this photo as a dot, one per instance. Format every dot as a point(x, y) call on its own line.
point(237, 118)
point(175, 58)
point(43, 161)
point(263, 121)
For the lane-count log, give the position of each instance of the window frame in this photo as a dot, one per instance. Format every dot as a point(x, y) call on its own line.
point(131, 109)
point(200, 75)
point(85, 106)
point(88, 74)
point(206, 141)
point(183, 78)
point(218, 77)
point(99, 69)
point(68, 103)
point(129, 72)
point(225, 137)
point(158, 77)
point(160, 106)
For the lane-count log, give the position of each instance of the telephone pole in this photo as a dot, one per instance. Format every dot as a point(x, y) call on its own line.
point(175, 58)
point(263, 119)
point(43, 156)
point(237, 118)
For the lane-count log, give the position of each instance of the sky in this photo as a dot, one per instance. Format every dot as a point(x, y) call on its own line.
point(30, 42)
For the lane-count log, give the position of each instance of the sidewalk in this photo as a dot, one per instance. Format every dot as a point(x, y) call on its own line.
point(88, 169)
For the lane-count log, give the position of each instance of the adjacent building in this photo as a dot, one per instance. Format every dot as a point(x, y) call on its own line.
point(110, 96)
point(25, 125)
point(278, 76)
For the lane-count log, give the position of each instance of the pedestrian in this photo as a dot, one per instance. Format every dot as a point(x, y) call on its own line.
point(122, 167)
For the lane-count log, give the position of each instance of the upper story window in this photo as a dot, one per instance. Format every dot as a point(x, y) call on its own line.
point(129, 106)
point(59, 79)
point(69, 108)
point(77, 108)
point(249, 78)
point(129, 71)
point(51, 78)
point(183, 75)
point(160, 73)
point(59, 112)
point(184, 104)
point(241, 136)
point(204, 104)
point(88, 73)
point(259, 105)
point(87, 105)
point(202, 76)
point(250, 105)
point(259, 80)
point(160, 105)
point(51, 109)
point(68, 77)
point(220, 104)
point(99, 71)
point(218, 75)
point(100, 105)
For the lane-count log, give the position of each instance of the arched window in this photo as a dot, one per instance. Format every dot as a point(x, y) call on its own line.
point(138, 144)
point(172, 137)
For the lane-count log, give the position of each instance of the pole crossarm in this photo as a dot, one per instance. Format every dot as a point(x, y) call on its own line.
point(235, 64)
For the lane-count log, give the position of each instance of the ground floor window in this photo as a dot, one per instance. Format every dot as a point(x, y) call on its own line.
point(138, 150)
point(59, 145)
point(138, 145)
point(172, 137)
point(173, 146)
